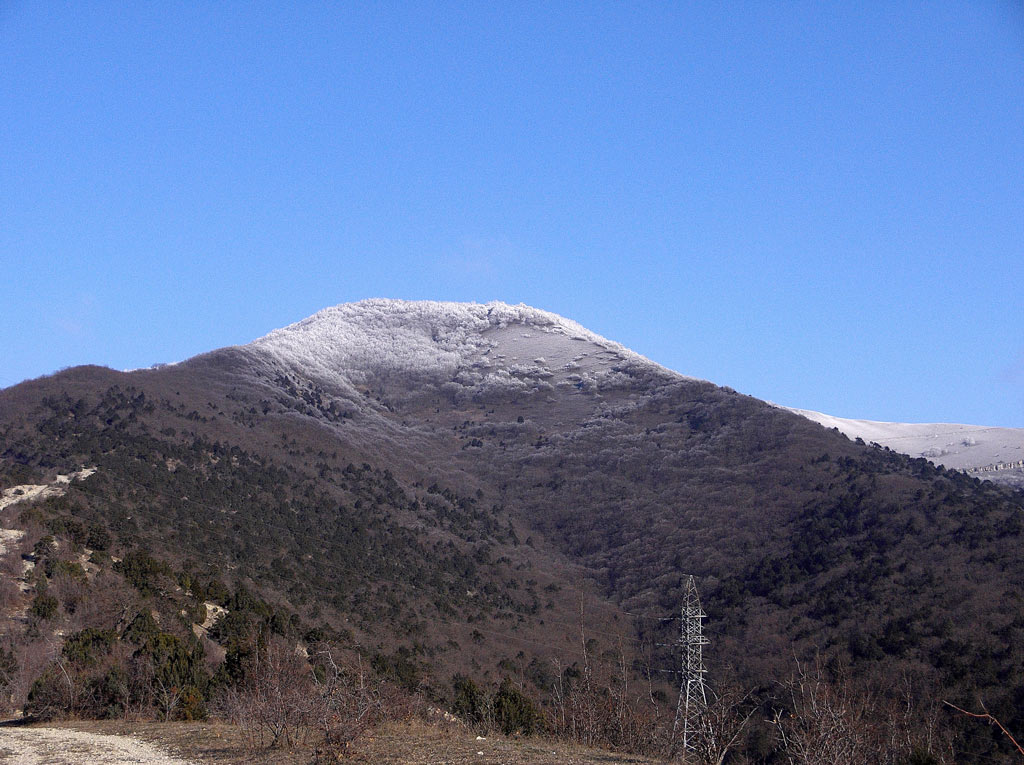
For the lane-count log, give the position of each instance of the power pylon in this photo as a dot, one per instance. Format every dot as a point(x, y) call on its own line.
point(693, 697)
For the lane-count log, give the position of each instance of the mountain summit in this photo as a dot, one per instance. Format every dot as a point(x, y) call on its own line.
point(407, 350)
point(480, 348)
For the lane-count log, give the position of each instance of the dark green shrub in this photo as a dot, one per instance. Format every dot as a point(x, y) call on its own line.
point(469, 701)
point(142, 571)
point(69, 568)
point(51, 695)
point(108, 694)
point(98, 538)
point(178, 674)
point(192, 705)
point(141, 629)
point(233, 628)
point(44, 606)
point(514, 711)
point(8, 666)
point(43, 547)
point(84, 648)
point(399, 667)
point(99, 558)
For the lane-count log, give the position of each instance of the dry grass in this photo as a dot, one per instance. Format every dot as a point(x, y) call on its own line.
point(408, 743)
point(422, 744)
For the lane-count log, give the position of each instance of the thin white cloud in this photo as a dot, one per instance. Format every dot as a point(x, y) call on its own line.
point(482, 257)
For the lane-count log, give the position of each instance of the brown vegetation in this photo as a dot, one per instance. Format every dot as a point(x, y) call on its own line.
point(426, 536)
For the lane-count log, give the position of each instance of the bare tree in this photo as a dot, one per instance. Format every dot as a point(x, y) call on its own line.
point(832, 719)
point(350, 700)
point(10, 595)
point(276, 704)
point(991, 720)
point(825, 723)
point(721, 725)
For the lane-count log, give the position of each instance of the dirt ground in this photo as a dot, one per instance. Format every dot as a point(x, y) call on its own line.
point(55, 746)
point(118, 742)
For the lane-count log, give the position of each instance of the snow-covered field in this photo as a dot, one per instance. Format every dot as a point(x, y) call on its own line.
point(954, 446)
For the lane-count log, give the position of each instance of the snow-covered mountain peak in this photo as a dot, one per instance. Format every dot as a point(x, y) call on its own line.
point(443, 321)
point(469, 344)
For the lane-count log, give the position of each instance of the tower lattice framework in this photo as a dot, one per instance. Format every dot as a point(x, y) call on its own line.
point(693, 697)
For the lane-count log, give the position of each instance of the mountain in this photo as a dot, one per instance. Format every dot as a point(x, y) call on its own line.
point(466, 488)
point(996, 454)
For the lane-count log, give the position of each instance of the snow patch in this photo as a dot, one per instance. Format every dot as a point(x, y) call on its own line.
point(356, 345)
point(951, 445)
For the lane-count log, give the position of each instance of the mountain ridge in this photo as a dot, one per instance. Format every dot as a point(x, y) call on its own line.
point(952, 445)
point(349, 345)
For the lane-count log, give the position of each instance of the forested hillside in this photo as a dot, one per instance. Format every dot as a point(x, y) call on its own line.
point(513, 497)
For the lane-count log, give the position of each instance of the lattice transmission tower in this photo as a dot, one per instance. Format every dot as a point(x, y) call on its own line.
point(693, 696)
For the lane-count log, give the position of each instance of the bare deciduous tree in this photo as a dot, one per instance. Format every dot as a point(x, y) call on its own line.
point(830, 719)
point(350, 701)
point(991, 720)
point(721, 726)
point(275, 705)
point(324, 699)
point(825, 722)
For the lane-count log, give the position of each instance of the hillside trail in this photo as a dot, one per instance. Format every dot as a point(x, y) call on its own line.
point(59, 746)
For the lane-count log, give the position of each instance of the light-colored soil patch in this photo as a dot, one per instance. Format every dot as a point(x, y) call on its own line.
point(28, 491)
point(61, 746)
point(213, 613)
point(9, 538)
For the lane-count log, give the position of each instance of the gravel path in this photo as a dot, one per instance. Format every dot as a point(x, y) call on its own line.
point(59, 746)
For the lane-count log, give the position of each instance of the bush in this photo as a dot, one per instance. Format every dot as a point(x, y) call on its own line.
point(400, 667)
point(469, 701)
point(52, 694)
point(142, 628)
point(177, 674)
point(44, 606)
point(142, 571)
point(276, 703)
point(83, 649)
point(43, 547)
point(514, 711)
point(68, 568)
point(8, 666)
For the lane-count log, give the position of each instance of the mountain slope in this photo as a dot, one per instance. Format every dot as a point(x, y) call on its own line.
point(455, 478)
point(995, 453)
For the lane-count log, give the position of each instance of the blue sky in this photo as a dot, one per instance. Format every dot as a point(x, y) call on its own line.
point(820, 204)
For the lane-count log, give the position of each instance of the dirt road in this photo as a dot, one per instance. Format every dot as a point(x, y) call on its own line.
point(60, 746)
